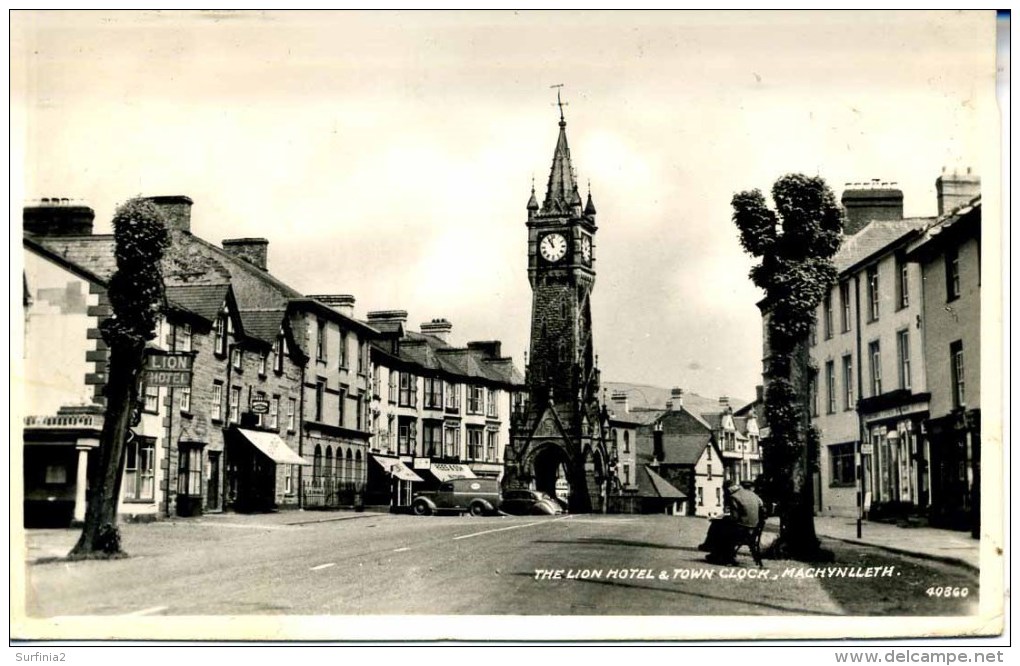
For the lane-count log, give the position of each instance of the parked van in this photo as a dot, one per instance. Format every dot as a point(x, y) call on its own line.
point(479, 496)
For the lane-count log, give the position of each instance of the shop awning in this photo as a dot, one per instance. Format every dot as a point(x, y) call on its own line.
point(396, 467)
point(272, 446)
point(447, 471)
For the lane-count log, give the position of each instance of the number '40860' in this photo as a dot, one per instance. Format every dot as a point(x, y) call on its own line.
point(947, 592)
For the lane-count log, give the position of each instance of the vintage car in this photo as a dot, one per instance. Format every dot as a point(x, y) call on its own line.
point(525, 502)
point(479, 496)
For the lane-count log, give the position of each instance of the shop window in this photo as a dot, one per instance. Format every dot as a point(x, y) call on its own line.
point(56, 474)
point(139, 468)
point(189, 471)
point(841, 464)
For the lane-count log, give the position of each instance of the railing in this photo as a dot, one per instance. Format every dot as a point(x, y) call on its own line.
point(91, 421)
point(332, 494)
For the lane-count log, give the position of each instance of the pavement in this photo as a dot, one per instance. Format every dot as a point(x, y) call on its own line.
point(926, 542)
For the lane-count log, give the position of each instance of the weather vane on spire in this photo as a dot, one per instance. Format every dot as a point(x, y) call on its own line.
point(559, 102)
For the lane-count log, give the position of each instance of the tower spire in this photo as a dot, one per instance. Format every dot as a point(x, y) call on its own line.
point(561, 193)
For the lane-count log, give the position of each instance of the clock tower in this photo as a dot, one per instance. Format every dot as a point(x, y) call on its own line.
point(558, 441)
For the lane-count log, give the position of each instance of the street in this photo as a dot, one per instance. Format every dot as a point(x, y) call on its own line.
point(317, 563)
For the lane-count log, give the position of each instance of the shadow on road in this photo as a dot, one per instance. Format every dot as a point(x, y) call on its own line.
point(699, 595)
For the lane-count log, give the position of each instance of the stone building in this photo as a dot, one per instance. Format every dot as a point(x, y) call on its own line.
point(233, 438)
point(336, 387)
point(438, 411)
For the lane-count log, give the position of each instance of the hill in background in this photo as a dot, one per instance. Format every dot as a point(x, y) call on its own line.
point(654, 397)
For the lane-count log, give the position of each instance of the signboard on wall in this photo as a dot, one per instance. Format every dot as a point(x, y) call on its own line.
point(169, 369)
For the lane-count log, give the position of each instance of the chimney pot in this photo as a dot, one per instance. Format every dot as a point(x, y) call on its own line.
point(438, 327)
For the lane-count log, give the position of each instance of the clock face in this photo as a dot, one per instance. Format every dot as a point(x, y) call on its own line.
point(553, 247)
point(586, 249)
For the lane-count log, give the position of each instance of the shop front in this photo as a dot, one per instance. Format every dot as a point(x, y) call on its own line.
point(259, 466)
point(895, 455)
point(391, 482)
point(956, 470)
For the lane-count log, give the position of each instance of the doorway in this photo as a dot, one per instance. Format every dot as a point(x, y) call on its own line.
point(212, 493)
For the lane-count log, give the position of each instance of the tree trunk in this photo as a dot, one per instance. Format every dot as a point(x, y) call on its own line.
point(100, 536)
point(797, 527)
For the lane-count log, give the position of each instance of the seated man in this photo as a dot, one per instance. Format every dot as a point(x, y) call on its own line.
point(725, 534)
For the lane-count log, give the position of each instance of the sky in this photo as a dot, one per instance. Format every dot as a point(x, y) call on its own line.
point(390, 155)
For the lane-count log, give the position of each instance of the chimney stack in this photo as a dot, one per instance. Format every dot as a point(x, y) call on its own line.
point(724, 401)
point(490, 348)
point(620, 402)
point(58, 217)
point(176, 209)
point(956, 189)
point(869, 201)
point(380, 316)
point(342, 303)
point(759, 393)
point(439, 328)
point(658, 450)
point(676, 395)
point(253, 250)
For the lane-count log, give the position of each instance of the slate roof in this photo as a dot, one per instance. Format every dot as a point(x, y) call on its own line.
point(262, 324)
point(650, 484)
point(93, 253)
point(194, 272)
point(429, 352)
point(937, 233)
point(204, 300)
point(876, 236)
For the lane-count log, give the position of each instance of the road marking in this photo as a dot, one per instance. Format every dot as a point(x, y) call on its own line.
point(400, 550)
point(149, 611)
point(323, 566)
point(512, 527)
